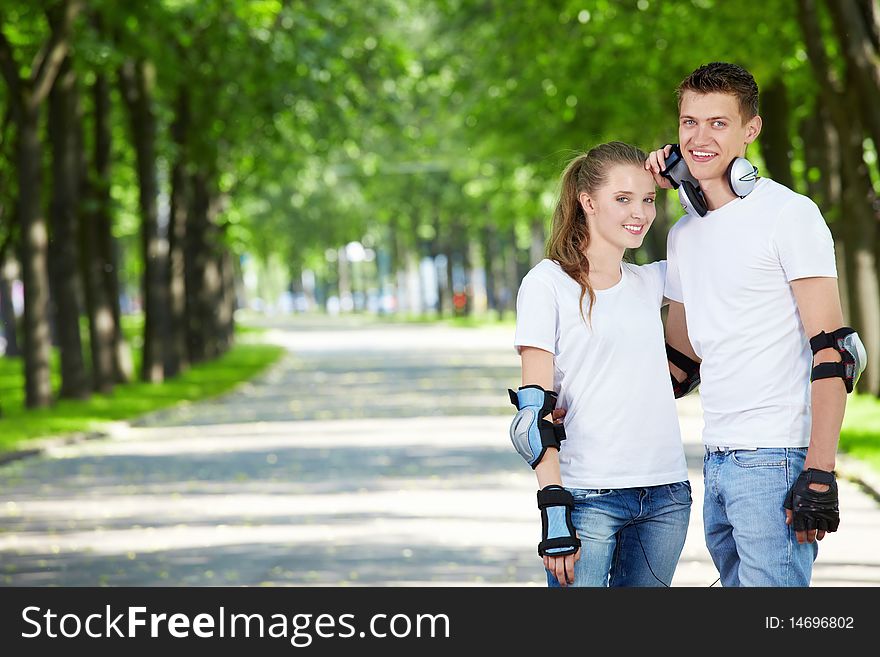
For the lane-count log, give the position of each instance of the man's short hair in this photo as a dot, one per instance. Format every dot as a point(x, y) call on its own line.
point(721, 77)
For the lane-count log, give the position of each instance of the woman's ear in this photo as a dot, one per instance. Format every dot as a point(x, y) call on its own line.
point(587, 204)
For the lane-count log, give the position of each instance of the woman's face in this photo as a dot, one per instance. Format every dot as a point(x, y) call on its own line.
point(622, 210)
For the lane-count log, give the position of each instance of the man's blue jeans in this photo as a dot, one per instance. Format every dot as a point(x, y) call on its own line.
point(744, 518)
point(629, 536)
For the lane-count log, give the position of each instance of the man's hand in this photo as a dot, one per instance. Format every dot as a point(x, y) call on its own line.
point(812, 505)
point(562, 567)
point(656, 162)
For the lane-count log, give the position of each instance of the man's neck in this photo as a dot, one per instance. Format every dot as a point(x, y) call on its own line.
point(717, 193)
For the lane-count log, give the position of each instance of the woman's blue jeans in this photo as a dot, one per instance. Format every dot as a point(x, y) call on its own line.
point(629, 536)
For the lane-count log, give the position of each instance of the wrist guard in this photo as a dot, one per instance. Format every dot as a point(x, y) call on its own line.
point(558, 536)
point(812, 509)
point(691, 369)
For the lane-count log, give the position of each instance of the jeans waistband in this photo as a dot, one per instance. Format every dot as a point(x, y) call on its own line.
point(723, 449)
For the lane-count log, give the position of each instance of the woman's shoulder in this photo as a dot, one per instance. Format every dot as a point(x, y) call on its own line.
point(546, 270)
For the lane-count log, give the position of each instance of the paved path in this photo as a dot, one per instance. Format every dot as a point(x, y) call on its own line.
point(371, 455)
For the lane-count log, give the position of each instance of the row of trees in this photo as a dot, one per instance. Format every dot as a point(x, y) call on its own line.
point(178, 135)
point(135, 138)
point(506, 94)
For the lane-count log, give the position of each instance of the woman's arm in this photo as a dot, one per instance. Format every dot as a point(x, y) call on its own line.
point(537, 369)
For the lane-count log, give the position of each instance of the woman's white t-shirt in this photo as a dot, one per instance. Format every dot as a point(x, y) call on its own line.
point(612, 377)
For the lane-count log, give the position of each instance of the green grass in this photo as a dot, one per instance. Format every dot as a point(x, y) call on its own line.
point(860, 436)
point(17, 425)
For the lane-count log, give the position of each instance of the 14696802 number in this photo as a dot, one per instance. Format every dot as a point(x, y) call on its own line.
point(821, 622)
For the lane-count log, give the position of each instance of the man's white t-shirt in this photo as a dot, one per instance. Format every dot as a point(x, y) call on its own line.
point(732, 269)
point(613, 379)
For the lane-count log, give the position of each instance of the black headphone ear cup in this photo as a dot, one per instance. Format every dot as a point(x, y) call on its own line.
point(695, 196)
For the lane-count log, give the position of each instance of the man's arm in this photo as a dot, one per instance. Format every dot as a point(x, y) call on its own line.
point(818, 302)
point(677, 337)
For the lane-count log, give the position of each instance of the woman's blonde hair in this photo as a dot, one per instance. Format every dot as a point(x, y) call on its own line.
point(570, 233)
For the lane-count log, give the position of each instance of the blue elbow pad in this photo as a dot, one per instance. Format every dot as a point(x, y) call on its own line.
point(530, 433)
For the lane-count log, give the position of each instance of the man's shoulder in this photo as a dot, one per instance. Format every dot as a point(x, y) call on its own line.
point(777, 195)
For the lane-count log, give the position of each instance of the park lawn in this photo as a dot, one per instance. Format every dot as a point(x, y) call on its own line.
point(860, 436)
point(209, 379)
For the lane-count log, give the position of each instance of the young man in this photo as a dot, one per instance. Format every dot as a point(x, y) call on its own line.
point(752, 278)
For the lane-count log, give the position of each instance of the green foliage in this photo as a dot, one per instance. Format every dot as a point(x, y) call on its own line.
point(860, 435)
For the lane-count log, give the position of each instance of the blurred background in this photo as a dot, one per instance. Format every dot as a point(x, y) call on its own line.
point(352, 191)
point(169, 164)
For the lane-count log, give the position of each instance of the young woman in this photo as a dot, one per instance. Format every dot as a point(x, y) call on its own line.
point(614, 496)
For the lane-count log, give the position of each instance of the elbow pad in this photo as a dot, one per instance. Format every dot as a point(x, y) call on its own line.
point(530, 433)
point(853, 356)
point(690, 367)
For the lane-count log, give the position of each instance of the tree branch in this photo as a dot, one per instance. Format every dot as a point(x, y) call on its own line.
point(48, 61)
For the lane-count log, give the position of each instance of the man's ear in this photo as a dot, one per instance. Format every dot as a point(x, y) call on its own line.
point(587, 204)
point(753, 129)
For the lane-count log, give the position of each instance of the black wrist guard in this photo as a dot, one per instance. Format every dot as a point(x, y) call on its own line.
point(557, 530)
point(812, 509)
point(691, 369)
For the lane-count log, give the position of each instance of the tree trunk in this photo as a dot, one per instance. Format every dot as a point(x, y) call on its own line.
point(537, 246)
point(176, 355)
point(25, 98)
point(107, 245)
point(660, 227)
point(775, 139)
point(444, 302)
point(858, 222)
point(35, 247)
point(854, 35)
point(822, 159)
point(203, 285)
point(490, 264)
point(137, 81)
point(64, 254)
point(99, 267)
point(512, 277)
point(226, 316)
point(7, 310)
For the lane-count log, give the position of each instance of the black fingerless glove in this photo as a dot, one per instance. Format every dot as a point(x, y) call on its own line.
point(812, 509)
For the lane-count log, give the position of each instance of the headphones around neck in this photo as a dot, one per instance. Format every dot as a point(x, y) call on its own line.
point(741, 177)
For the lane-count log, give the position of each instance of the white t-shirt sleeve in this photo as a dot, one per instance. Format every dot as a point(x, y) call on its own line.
point(803, 241)
point(537, 317)
point(673, 279)
point(658, 280)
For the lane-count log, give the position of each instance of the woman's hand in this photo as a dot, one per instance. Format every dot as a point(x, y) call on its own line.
point(562, 567)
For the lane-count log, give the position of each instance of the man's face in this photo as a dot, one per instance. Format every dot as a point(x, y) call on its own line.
point(711, 133)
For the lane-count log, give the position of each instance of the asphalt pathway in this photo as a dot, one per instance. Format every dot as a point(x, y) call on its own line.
point(372, 454)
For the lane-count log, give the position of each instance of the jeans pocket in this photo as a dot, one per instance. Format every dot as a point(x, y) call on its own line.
point(680, 492)
point(759, 458)
point(583, 494)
